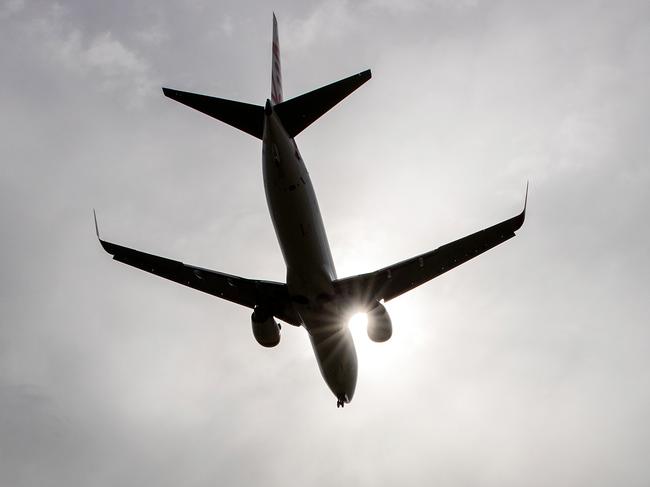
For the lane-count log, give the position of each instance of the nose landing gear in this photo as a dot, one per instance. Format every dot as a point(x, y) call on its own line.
point(341, 400)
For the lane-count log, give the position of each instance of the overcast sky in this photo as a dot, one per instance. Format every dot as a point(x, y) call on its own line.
point(527, 366)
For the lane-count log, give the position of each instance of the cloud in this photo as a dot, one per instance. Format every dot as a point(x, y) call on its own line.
point(116, 64)
point(328, 20)
point(11, 7)
point(154, 35)
point(100, 58)
point(227, 26)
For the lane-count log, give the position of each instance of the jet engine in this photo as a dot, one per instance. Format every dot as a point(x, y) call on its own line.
point(265, 329)
point(380, 327)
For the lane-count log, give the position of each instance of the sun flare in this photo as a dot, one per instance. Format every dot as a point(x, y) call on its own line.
point(357, 322)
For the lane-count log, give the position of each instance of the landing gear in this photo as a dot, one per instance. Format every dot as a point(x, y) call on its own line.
point(341, 400)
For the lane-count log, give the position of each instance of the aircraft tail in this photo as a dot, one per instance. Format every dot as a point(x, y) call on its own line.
point(300, 112)
point(295, 114)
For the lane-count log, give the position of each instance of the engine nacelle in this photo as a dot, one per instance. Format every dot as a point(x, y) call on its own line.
point(265, 329)
point(380, 327)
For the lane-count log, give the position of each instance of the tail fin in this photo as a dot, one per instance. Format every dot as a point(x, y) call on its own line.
point(276, 69)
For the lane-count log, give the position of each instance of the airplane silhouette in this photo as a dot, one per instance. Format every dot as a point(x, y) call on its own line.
point(313, 297)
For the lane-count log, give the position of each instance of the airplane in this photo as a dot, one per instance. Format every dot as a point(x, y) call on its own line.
point(313, 297)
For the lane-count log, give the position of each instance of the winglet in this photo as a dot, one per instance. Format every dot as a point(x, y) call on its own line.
point(526, 197)
point(518, 220)
point(108, 247)
point(96, 227)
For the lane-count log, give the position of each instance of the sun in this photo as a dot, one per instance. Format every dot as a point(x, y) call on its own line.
point(370, 354)
point(358, 321)
point(378, 361)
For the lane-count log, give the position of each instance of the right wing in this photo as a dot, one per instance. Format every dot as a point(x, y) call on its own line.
point(246, 292)
point(394, 280)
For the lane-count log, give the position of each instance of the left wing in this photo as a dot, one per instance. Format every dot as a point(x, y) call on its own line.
point(246, 292)
point(394, 280)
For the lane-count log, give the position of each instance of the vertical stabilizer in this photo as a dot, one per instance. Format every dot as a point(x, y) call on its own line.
point(276, 71)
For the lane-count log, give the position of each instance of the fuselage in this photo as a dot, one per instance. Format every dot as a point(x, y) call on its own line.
point(310, 268)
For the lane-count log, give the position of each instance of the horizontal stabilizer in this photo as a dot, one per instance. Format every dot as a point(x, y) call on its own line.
point(243, 116)
point(300, 112)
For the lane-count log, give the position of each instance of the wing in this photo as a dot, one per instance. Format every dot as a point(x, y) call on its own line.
point(394, 280)
point(246, 292)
